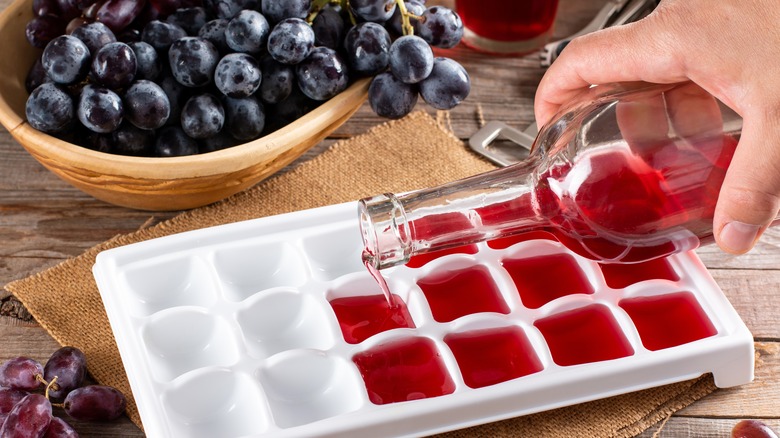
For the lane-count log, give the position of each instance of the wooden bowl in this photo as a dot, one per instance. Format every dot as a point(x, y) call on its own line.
point(155, 183)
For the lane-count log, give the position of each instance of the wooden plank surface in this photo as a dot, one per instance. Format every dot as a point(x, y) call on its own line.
point(44, 221)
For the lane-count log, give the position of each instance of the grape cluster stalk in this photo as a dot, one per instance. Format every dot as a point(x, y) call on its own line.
point(162, 78)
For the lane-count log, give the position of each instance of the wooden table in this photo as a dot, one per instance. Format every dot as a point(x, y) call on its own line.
point(44, 221)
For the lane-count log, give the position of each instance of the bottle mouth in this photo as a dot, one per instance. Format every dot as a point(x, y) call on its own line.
point(369, 254)
point(385, 232)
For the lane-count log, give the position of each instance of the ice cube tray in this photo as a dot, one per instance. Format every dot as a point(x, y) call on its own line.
point(233, 331)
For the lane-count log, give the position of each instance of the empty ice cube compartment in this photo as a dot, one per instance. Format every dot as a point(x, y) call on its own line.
point(583, 335)
point(544, 278)
point(493, 355)
point(404, 369)
point(247, 269)
point(621, 275)
point(334, 253)
point(284, 319)
point(304, 386)
point(456, 290)
point(668, 320)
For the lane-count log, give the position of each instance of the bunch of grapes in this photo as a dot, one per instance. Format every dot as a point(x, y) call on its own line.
point(25, 412)
point(180, 77)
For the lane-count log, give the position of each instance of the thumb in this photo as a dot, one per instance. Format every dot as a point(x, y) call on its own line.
point(749, 198)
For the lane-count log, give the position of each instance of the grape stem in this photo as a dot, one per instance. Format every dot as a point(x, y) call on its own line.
point(406, 24)
point(40, 378)
point(316, 7)
point(50, 385)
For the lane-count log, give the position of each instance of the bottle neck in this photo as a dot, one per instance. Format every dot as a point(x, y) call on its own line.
point(395, 228)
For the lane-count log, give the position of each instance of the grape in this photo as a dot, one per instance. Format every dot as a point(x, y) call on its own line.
point(146, 105)
point(447, 85)
point(367, 47)
point(114, 65)
point(149, 65)
point(40, 30)
point(414, 7)
point(278, 10)
point(247, 32)
point(202, 116)
point(190, 19)
point(95, 35)
point(69, 365)
point(193, 61)
point(8, 399)
point(36, 76)
point(75, 24)
point(130, 36)
point(164, 7)
point(20, 373)
point(238, 75)
point(118, 14)
point(177, 95)
point(291, 41)
point(28, 419)
point(41, 8)
point(130, 140)
point(173, 142)
point(223, 140)
point(58, 428)
point(230, 8)
point(329, 27)
point(91, 12)
point(49, 109)
point(68, 9)
point(214, 31)
point(441, 27)
point(411, 59)
point(95, 403)
point(99, 109)
point(161, 35)
point(322, 75)
point(245, 117)
point(377, 11)
point(389, 97)
point(278, 80)
point(752, 429)
point(290, 109)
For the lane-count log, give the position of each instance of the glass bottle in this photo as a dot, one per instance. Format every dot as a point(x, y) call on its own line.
point(624, 173)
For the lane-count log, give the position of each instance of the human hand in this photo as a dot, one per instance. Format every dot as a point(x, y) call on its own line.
point(731, 49)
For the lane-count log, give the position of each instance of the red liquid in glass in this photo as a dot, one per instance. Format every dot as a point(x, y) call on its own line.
point(507, 20)
point(361, 317)
point(452, 294)
point(408, 369)
point(506, 242)
point(542, 279)
point(490, 356)
point(585, 335)
point(668, 320)
point(619, 276)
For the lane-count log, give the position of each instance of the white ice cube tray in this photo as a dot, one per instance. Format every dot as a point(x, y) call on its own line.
point(229, 332)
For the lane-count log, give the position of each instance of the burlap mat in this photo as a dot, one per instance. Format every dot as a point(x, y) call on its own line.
point(397, 156)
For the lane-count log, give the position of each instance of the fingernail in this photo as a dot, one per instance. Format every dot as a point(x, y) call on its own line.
point(738, 237)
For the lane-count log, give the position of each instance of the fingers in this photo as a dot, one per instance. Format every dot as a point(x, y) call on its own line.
point(750, 196)
point(634, 52)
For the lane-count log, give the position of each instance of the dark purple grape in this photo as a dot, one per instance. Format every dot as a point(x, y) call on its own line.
point(289, 110)
point(173, 142)
point(278, 80)
point(367, 46)
point(291, 41)
point(190, 19)
point(95, 35)
point(130, 140)
point(441, 27)
point(28, 419)
point(278, 10)
point(244, 118)
point(114, 65)
point(752, 429)
point(68, 9)
point(229, 8)
point(148, 14)
point(69, 365)
point(84, 4)
point(118, 14)
point(99, 109)
point(46, 7)
point(329, 27)
point(377, 11)
point(165, 7)
point(146, 105)
point(223, 140)
point(391, 98)
point(214, 31)
point(193, 60)
point(414, 7)
point(58, 428)
point(247, 32)
point(8, 399)
point(95, 403)
point(21, 372)
point(238, 75)
point(41, 30)
point(130, 36)
point(148, 62)
point(322, 75)
point(36, 76)
point(411, 59)
point(202, 116)
point(91, 11)
point(49, 109)
point(161, 35)
point(177, 95)
point(75, 24)
point(447, 85)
